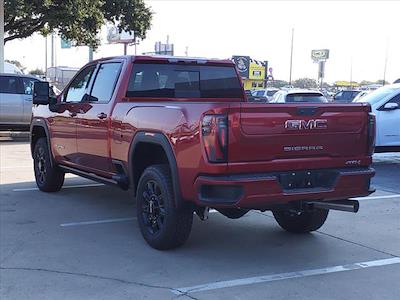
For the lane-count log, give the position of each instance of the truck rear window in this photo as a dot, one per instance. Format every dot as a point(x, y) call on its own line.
point(183, 81)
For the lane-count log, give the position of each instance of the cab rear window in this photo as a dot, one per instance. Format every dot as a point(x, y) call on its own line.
point(183, 81)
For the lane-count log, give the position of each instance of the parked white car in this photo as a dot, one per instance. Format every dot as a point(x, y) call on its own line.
point(298, 96)
point(266, 94)
point(385, 104)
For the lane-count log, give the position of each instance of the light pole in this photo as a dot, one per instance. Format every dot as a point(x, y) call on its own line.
point(386, 59)
point(1, 36)
point(291, 59)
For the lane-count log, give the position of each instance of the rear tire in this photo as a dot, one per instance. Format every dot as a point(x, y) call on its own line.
point(162, 225)
point(304, 222)
point(49, 178)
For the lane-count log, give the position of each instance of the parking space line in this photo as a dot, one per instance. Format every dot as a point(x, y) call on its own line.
point(108, 221)
point(64, 187)
point(16, 167)
point(97, 222)
point(377, 197)
point(284, 276)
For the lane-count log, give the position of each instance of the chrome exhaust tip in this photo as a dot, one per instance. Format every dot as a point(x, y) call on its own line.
point(342, 205)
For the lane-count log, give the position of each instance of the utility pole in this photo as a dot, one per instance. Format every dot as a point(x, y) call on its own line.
point(351, 72)
point(1, 36)
point(45, 57)
point(52, 50)
point(125, 48)
point(90, 54)
point(386, 59)
point(291, 59)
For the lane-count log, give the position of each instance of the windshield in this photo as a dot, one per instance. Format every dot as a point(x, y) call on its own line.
point(259, 93)
point(271, 93)
point(377, 95)
point(303, 97)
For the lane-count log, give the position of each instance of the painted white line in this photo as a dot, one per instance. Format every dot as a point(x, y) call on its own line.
point(284, 276)
point(377, 197)
point(97, 222)
point(64, 187)
point(17, 167)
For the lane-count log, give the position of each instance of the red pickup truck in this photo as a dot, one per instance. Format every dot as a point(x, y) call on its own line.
point(180, 134)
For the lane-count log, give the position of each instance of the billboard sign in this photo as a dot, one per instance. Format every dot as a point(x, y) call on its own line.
point(243, 65)
point(256, 71)
point(115, 37)
point(318, 55)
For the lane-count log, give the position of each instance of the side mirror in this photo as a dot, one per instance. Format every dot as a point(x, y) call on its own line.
point(41, 94)
point(391, 106)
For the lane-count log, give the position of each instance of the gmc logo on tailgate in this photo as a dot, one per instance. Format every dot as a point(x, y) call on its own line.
point(306, 125)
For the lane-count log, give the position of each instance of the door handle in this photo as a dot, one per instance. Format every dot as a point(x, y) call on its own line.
point(102, 115)
point(72, 114)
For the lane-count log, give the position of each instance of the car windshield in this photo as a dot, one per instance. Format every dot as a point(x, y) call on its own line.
point(305, 97)
point(259, 93)
point(377, 95)
point(271, 93)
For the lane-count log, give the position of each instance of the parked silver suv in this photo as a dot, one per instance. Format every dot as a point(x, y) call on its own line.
point(16, 100)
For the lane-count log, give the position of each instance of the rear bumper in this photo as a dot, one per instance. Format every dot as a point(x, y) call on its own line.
point(263, 191)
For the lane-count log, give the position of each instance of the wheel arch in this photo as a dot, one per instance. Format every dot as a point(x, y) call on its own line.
point(39, 129)
point(153, 140)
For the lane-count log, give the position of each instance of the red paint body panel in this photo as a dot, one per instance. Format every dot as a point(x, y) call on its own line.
point(256, 134)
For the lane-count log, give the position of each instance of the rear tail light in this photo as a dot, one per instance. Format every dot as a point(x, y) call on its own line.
point(214, 129)
point(371, 133)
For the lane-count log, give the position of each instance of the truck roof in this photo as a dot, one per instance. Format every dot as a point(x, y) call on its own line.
point(171, 59)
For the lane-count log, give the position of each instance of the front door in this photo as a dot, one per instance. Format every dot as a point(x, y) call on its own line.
point(63, 121)
point(11, 100)
point(27, 89)
point(388, 124)
point(93, 120)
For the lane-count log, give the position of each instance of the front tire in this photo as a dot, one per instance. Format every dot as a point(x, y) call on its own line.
point(48, 177)
point(303, 222)
point(162, 225)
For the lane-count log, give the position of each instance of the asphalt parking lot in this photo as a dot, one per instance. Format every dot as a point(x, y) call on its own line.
point(84, 243)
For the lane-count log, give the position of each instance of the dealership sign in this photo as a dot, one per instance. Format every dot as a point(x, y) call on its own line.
point(243, 65)
point(319, 55)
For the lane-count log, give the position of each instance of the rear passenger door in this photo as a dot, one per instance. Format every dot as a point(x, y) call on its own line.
point(11, 101)
point(93, 119)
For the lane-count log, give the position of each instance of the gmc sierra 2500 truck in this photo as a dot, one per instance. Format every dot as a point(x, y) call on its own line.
point(179, 133)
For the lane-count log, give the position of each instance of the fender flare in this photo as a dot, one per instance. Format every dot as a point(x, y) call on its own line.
point(38, 122)
point(161, 140)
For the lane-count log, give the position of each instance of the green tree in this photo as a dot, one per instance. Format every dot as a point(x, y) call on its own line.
point(16, 63)
point(366, 82)
point(37, 71)
point(76, 20)
point(277, 83)
point(305, 83)
point(381, 81)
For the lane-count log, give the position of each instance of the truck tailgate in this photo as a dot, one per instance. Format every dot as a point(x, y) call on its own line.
point(265, 132)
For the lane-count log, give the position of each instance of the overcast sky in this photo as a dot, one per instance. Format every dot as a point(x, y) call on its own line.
point(354, 31)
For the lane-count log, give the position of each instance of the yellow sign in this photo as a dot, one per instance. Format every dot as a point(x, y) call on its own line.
point(256, 71)
point(346, 83)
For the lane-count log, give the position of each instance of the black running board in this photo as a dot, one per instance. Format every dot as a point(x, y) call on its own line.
point(117, 180)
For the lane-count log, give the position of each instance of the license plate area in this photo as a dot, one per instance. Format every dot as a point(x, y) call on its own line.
point(308, 179)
